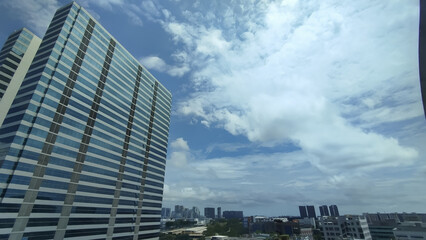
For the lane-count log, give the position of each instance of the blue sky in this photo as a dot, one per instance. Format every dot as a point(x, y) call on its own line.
point(277, 103)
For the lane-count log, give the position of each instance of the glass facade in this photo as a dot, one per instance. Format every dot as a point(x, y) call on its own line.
point(11, 55)
point(15, 59)
point(83, 147)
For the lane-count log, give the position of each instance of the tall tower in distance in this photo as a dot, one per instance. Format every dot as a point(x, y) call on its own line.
point(334, 211)
point(303, 212)
point(16, 57)
point(209, 212)
point(83, 146)
point(324, 210)
point(311, 211)
point(219, 212)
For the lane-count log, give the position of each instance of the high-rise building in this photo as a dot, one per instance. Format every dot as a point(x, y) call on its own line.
point(209, 212)
point(303, 212)
point(219, 212)
point(311, 211)
point(178, 211)
point(15, 58)
point(195, 212)
point(334, 211)
point(165, 213)
point(324, 210)
point(83, 146)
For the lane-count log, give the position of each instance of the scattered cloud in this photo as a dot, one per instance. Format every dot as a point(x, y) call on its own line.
point(181, 32)
point(178, 71)
point(180, 144)
point(212, 42)
point(180, 153)
point(331, 79)
point(290, 80)
point(106, 4)
point(150, 8)
point(194, 194)
point(154, 62)
point(158, 64)
point(36, 15)
point(132, 11)
point(253, 180)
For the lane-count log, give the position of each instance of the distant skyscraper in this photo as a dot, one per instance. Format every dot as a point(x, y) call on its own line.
point(179, 208)
point(16, 57)
point(311, 211)
point(165, 212)
point(196, 212)
point(219, 212)
point(324, 210)
point(83, 146)
point(186, 213)
point(209, 212)
point(303, 212)
point(179, 211)
point(422, 52)
point(334, 211)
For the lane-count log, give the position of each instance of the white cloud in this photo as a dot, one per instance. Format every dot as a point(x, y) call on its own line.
point(243, 182)
point(212, 42)
point(180, 32)
point(106, 4)
point(186, 194)
point(321, 75)
point(205, 123)
point(35, 14)
point(233, 182)
point(178, 71)
point(236, 169)
point(154, 62)
point(294, 78)
point(180, 144)
point(166, 13)
point(158, 64)
point(149, 7)
point(180, 154)
point(132, 11)
point(179, 159)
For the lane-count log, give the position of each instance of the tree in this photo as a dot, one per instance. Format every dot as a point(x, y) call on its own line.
point(230, 228)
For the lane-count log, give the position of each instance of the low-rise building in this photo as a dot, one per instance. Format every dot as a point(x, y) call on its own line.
point(307, 222)
point(384, 226)
point(415, 230)
point(306, 234)
point(344, 227)
point(233, 214)
point(381, 225)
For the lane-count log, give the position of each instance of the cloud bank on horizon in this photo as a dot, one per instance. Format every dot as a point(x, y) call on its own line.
point(319, 101)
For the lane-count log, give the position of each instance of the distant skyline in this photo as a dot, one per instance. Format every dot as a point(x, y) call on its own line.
point(277, 104)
